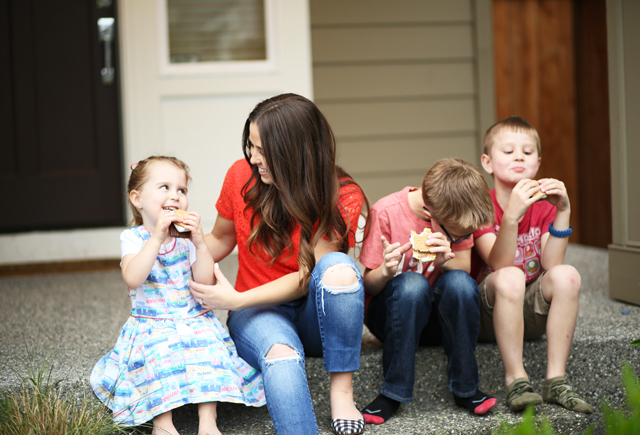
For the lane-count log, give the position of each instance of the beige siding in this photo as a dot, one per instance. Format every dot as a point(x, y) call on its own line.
point(333, 12)
point(398, 82)
point(376, 157)
point(624, 93)
point(385, 166)
point(385, 44)
point(344, 82)
point(397, 118)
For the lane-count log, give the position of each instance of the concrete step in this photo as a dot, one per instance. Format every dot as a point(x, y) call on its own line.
point(80, 315)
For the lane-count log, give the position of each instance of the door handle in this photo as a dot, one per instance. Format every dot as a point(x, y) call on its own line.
point(105, 32)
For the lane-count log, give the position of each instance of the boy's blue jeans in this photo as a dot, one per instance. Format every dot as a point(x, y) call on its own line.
point(401, 317)
point(328, 322)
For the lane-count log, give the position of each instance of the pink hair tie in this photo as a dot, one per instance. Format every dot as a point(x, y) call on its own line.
point(133, 166)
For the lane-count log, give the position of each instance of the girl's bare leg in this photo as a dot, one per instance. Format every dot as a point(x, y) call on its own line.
point(207, 414)
point(163, 425)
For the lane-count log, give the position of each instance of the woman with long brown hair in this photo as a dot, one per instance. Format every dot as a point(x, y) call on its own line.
point(293, 214)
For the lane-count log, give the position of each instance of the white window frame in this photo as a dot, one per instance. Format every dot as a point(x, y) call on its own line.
point(272, 37)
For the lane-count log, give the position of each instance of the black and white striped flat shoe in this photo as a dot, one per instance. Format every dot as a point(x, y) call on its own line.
point(347, 427)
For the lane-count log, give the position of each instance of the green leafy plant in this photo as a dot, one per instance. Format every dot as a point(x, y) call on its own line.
point(625, 421)
point(39, 407)
point(529, 425)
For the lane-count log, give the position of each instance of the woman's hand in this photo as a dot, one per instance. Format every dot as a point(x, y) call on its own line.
point(221, 296)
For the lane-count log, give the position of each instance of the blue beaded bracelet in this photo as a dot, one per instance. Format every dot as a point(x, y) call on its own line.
point(559, 234)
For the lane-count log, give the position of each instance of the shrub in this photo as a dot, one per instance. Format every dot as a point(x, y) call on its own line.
point(625, 421)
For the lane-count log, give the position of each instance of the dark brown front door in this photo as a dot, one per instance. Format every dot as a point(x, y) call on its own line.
point(60, 136)
point(551, 69)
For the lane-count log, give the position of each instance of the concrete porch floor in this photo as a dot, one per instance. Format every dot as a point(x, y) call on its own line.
point(80, 315)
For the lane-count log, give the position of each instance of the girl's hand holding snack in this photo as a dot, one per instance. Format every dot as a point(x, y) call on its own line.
point(165, 220)
point(191, 222)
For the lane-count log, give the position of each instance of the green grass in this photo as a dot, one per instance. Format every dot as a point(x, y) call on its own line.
point(39, 407)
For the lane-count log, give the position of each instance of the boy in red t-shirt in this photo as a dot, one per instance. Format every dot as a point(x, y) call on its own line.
point(409, 302)
point(531, 292)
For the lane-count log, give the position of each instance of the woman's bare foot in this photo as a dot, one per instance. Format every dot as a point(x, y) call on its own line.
point(342, 406)
point(163, 425)
point(207, 415)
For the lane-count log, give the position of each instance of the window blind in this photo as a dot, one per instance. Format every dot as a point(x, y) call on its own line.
point(216, 30)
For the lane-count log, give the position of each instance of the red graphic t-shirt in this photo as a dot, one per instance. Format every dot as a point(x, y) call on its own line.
point(255, 271)
point(531, 227)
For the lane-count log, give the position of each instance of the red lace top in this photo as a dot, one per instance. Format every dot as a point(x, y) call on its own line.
point(253, 270)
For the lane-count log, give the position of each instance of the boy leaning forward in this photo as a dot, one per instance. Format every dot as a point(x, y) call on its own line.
point(408, 302)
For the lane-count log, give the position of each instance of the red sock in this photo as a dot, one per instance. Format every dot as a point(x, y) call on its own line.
point(379, 411)
point(480, 403)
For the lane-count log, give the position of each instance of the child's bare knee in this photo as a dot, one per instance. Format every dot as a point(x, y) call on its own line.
point(510, 284)
point(511, 294)
point(511, 276)
point(564, 277)
point(279, 352)
point(340, 277)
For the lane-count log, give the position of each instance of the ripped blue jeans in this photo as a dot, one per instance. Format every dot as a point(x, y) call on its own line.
point(328, 323)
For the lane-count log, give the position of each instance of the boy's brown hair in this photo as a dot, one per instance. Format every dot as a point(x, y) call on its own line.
point(513, 123)
point(140, 174)
point(456, 193)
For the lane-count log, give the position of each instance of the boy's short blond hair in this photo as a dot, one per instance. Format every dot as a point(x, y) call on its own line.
point(513, 123)
point(456, 193)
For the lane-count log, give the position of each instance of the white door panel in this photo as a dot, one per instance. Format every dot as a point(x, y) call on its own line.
point(196, 111)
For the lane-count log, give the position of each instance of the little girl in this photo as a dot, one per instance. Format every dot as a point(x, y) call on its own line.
point(171, 351)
